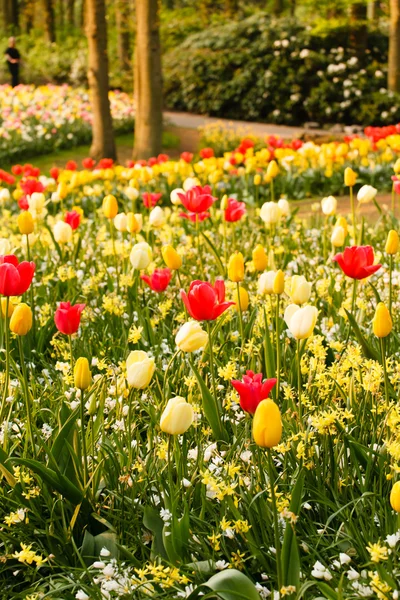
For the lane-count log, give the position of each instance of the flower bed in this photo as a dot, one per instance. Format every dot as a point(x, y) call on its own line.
point(40, 120)
point(197, 395)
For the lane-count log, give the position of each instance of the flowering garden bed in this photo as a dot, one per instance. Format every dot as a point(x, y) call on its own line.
point(199, 391)
point(40, 120)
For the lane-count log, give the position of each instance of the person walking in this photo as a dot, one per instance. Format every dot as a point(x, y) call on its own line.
point(13, 58)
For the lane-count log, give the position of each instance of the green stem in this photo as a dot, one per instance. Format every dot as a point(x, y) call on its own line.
point(71, 354)
point(353, 214)
point(199, 245)
point(390, 282)
point(393, 206)
point(353, 300)
point(278, 348)
point(31, 292)
point(240, 319)
point(272, 191)
point(7, 374)
point(114, 253)
point(214, 386)
point(385, 376)
point(299, 382)
point(28, 405)
point(83, 432)
point(275, 515)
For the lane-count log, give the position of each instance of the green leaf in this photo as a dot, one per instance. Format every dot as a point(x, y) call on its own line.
point(368, 350)
point(210, 407)
point(58, 447)
point(328, 592)
point(291, 566)
point(154, 523)
point(233, 585)
point(213, 249)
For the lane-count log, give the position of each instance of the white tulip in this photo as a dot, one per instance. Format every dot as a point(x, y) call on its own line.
point(329, 206)
point(270, 213)
point(366, 193)
point(301, 321)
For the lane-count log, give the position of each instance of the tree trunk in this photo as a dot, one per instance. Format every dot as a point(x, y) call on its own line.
point(359, 33)
point(278, 7)
point(148, 80)
point(15, 16)
point(29, 14)
point(122, 17)
point(394, 47)
point(49, 20)
point(6, 15)
point(103, 143)
point(373, 11)
point(71, 12)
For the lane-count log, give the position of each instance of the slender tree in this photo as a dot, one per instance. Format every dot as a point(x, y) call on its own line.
point(148, 80)
point(15, 15)
point(359, 35)
point(5, 6)
point(394, 47)
point(103, 143)
point(71, 12)
point(122, 17)
point(29, 15)
point(49, 20)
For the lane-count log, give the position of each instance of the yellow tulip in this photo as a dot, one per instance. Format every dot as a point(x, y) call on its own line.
point(191, 337)
point(396, 166)
point(278, 286)
point(244, 299)
point(11, 307)
point(341, 222)
point(257, 179)
point(392, 242)
point(177, 416)
point(267, 424)
point(21, 319)
point(25, 223)
point(382, 322)
point(110, 206)
point(300, 289)
point(82, 374)
point(134, 222)
point(140, 368)
point(350, 177)
point(260, 259)
point(395, 497)
point(171, 257)
point(236, 267)
point(272, 169)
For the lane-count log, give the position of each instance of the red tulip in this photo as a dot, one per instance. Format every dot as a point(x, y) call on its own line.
point(205, 302)
point(159, 280)
point(252, 390)
point(206, 153)
point(198, 199)
point(105, 163)
point(71, 166)
point(162, 158)
point(73, 218)
point(54, 173)
point(17, 169)
point(234, 211)
point(150, 200)
point(15, 278)
point(396, 185)
point(68, 318)
point(195, 216)
point(357, 262)
point(187, 156)
point(88, 163)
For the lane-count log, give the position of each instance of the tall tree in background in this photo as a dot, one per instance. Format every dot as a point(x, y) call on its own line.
point(103, 143)
point(29, 15)
point(122, 18)
point(71, 12)
point(358, 18)
point(394, 47)
point(49, 20)
point(148, 80)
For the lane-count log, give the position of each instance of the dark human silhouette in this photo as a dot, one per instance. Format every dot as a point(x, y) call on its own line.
point(13, 57)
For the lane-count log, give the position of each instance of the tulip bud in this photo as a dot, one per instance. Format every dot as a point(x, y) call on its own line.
point(171, 258)
point(284, 207)
point(177, 417)
point(134, 222)
point(25, 223)
point(110, 206)
point(260, 259)
point(140, 368)
point(267, 424)
point(341, 222)
point(338, 236)
point(300, 289)
point(191, 337)
point(157, 217)
point(62, 232)
point(62, 190)
point(224, 202)
point(300, 321)
point(272, 169)
point(396, 166)
point(244, 299)
point(141, 256)
point(382, 322)
point(366, 193)
point(329, 205)
point(120, 222)
point(11, 307)
point(82, 374)
point(174, 196)
point(236, 267)
point(92, 406)
point(350, 177)
point(392, 242)
point(270, 213)
point(395, 497)
point(278, 286)
point(21, 319)
point(257, 179)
